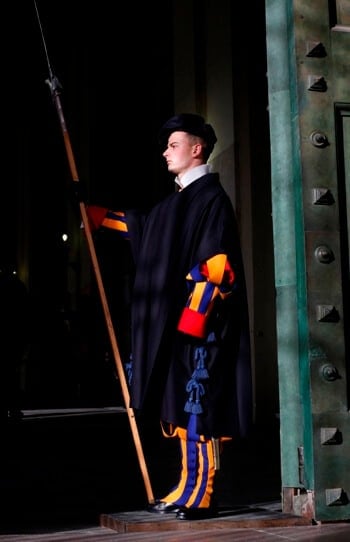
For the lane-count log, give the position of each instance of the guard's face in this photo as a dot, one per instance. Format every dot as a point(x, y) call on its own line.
point(182, 152)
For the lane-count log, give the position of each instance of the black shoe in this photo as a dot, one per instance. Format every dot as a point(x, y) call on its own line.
point(161, 507)
point(196, 513)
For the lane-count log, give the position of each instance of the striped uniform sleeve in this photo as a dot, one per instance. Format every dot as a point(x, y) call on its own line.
point(101, 217)
point(207, 280)
point(115, 220)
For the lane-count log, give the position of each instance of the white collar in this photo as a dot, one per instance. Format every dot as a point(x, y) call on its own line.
point(192, 175)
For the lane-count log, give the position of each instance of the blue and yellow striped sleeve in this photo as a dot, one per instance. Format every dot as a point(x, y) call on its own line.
point(115, 220)
point(207, 280)
point(101, 217)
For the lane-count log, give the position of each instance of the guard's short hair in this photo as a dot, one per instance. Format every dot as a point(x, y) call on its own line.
point(192, 124)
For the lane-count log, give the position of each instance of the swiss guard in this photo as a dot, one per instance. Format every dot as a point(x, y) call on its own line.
point(190, 353)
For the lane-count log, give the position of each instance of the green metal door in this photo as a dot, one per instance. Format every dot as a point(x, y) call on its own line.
point(308, 45)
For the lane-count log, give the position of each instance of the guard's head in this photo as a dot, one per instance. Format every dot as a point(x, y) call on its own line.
point(192, 124)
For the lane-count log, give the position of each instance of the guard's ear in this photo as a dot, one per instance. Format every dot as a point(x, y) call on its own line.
point(197, 149)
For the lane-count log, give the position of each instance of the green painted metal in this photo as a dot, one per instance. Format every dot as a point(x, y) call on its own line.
point(289, 256)
point(305, 93)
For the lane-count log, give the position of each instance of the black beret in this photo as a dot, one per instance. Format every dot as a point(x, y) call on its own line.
point(192, 124)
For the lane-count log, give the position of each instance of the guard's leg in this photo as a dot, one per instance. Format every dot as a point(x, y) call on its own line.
point(195, 487)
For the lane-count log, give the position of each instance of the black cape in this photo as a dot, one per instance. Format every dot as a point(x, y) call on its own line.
point(186, 228)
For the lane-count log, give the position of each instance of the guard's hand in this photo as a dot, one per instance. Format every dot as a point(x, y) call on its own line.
point(96, 214)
